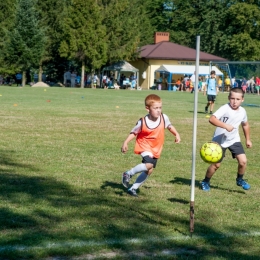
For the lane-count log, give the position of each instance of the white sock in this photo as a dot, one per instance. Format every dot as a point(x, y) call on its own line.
point(138, 168)
point(140, 180)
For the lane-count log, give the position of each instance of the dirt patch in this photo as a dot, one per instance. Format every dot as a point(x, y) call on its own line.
point(40, 84)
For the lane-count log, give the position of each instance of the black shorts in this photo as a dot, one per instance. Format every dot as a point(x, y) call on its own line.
point(148, 159)
point(235, 150)
point(211, 98)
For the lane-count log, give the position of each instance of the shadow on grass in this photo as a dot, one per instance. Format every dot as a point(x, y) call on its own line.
point(181, 201)
point(199, 112)
point(181, 181)
point(43, 217)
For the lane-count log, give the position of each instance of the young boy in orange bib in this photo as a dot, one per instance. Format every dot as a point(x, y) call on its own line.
point(149, 134)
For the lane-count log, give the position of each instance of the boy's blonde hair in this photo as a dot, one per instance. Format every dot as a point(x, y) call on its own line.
point(150, 99)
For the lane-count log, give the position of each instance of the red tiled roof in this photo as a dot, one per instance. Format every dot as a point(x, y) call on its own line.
point(173, 51)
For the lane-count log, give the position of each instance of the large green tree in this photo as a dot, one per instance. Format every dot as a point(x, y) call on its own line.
point(127, 28)
point(84, 35)
point(25, 43)
point(51, 13)
point(7, 10)
point(241, 32)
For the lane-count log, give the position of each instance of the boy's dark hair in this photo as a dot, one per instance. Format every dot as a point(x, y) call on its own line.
point(237, 90)
point(150, 99)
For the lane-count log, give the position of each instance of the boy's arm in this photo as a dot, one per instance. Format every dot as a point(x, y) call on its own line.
point(216, 122)
point(172, 129)
point(124, 147)
point(246, 130)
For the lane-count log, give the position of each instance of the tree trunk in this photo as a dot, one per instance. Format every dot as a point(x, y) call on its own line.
point(24, 78)
point(82, 74)
point(40, 74)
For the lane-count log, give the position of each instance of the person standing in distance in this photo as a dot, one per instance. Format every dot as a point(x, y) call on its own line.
point(211, 84)
point(149, 134)
point(227, 119)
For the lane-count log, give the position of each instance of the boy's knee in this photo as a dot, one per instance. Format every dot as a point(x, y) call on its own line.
point(242, 162)
point(216, 166)
point(150, 172)
point(149, 166)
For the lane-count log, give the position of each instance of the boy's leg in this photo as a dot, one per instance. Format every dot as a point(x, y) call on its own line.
point(150, 164)
point(242, 161)
point(140, 180)
point(206, 107)
point(205, 184)
point(211, 107)
point(127, 175)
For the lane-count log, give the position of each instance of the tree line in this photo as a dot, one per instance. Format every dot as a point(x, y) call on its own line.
point(91, 34)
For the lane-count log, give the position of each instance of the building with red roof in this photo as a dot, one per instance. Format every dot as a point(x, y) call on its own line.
point(164, 52)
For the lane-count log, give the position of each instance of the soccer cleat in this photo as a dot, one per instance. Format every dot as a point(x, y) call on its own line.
point(125, 179)
point(132, 192)
point(211, 112)
point(205, 186)
point(206, 110)
point(243, 184)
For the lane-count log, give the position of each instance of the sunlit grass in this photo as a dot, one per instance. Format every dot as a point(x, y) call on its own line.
point(60, 179)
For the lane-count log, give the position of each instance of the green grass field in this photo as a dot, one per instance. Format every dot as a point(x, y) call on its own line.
point(60, 180)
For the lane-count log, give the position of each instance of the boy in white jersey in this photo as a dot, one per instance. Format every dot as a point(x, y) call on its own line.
point(149, 134)
point(227, 120)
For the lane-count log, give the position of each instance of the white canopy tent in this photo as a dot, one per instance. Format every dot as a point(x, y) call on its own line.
point(188, 70)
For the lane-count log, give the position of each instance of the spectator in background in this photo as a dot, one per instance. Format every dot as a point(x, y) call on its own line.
point(220, 85)
point(133, 83)
point(89, 80)
point(178, 84)
point(200, 84)
point(187, 85)
point(73, 77)
point(244, 84)
point(227, 83)
point(257, 84)
point(35, 77)
point(233, 80)
point(67, 78)
point(175, 88)
point(251, 84)
point(18, 78)
point(235, 85)
point(204, 85)
point(192, 79)
point(78, 80)
point(95, 79)
point(104, 81)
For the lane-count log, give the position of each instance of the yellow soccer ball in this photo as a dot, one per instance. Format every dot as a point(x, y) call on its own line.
point(211, 152)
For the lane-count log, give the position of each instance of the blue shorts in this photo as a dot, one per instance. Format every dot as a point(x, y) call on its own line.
point(148, 159)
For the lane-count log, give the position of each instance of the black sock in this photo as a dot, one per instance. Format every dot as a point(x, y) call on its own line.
point(206, 179)
point(240, 176)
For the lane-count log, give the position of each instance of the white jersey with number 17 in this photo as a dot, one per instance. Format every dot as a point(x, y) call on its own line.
point(232, 117)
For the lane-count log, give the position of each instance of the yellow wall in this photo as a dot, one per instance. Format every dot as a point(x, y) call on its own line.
point(150, 66)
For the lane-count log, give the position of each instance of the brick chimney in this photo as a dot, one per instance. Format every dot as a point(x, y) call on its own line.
point(161, 37)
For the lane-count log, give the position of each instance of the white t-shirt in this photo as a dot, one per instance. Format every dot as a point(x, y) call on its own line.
point(232, 117)
point(151, 124)
point(192, 78)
